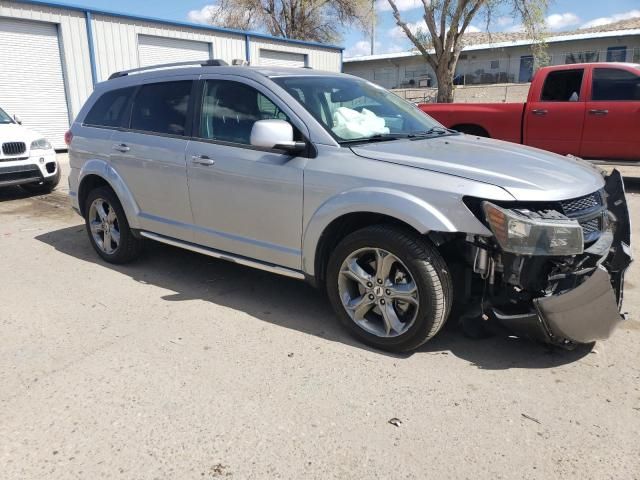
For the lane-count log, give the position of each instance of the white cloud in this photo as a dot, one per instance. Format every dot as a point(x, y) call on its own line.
point(504, 21)
point(397, 33)
point(203, 15)
point(554, 22)
point(363, 47)
point(616, 17)
point(558, 21)
point(515, 28)
point(403, 5)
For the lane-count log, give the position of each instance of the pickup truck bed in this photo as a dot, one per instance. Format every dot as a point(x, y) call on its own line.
point(588, 110)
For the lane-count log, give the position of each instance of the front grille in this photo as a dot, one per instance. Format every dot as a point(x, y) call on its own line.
point(592, 226)
point(19, 172)
point(14, 148)
point(579, 205)
point(589, 212)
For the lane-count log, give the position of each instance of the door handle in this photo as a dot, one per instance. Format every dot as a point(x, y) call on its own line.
point(121, 147)
point(596, 111)
point(202, 160)
point(539, 111)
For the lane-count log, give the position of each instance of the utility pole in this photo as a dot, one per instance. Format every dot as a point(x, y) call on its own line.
point(373, 26)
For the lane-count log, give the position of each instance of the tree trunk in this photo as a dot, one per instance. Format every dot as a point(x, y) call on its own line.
point(444, 75)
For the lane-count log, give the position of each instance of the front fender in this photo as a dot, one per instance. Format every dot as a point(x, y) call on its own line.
point(421, 215)
point(105, 171)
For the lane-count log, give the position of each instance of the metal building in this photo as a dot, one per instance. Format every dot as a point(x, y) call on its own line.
point(52, 54)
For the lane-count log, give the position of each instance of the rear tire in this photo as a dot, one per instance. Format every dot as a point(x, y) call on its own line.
point(389, 287)
point(108, 228)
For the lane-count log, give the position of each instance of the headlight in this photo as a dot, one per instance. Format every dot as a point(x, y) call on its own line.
point(524, 234)
point(40, 144)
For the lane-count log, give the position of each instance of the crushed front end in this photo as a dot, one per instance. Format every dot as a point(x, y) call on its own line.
point(553, 271)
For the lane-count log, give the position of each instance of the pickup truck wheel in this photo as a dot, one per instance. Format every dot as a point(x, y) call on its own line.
point(390, 288)
point(108, 227)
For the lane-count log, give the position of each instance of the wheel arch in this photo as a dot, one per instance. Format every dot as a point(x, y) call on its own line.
point(350, 211)
point(472, 129)
point(97, 173)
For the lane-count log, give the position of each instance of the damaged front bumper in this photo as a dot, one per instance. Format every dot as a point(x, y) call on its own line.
point(591, 310)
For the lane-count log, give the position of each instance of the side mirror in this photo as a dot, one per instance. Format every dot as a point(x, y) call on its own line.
point(276, 134)
point(17, 119)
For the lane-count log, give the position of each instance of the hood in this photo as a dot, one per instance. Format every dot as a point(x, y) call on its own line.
point(13, 132)
point(526, 173)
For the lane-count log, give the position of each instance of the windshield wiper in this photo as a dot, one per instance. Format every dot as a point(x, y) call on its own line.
point(434, 131)
point(379, 137)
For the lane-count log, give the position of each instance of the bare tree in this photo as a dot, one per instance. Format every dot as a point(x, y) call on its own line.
point(448, 20)
point(314, 20)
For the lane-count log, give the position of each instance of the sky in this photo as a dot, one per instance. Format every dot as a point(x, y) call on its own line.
point(562, 15)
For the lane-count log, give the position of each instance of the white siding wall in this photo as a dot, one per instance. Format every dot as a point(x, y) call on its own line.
point(318, 58)
point(73, 41)
point(116, 42)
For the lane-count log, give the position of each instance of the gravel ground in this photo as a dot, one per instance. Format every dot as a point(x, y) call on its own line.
point(183, 367)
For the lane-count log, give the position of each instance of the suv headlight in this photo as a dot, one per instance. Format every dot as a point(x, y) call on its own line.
point(40, 144)
point(526, 235)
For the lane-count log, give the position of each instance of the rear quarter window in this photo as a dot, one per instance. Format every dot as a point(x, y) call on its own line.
point(109, 109)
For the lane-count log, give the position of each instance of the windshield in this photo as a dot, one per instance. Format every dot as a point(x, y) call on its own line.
point(352, 109)
point(4, 118)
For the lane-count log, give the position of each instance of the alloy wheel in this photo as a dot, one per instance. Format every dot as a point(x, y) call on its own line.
point(105, 228)
point(378, 292)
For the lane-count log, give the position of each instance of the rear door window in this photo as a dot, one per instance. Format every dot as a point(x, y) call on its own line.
point(563, 86)
point(162, 108)
point(109, 110)
point(614, 84)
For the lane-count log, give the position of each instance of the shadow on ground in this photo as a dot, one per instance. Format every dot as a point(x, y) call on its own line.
point(289, 303)
point(14, 193)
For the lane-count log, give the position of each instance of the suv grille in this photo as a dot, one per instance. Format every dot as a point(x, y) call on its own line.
point(14, 148)
point(581, 204)
point(589, 211)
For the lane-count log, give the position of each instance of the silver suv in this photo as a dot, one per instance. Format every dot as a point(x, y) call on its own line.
point(331, 179)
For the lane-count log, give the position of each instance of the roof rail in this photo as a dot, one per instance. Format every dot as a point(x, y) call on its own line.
point(202, 63)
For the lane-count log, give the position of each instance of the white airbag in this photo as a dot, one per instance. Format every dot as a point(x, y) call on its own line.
point(350, 124)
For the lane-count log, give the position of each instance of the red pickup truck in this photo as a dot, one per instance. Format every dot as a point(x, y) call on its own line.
point(590, 110)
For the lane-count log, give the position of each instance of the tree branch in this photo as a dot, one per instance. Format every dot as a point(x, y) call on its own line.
point(418, 44)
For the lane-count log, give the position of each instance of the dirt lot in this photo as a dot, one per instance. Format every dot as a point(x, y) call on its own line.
point(183, 367)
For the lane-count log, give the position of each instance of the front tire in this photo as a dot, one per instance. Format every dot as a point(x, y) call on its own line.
point(108, 228)
point(389, 287)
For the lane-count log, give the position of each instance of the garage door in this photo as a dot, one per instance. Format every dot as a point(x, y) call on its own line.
point(282, 59)
point(158, 50)
point(31, 78)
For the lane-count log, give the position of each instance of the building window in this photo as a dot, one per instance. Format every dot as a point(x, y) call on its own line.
point(582, 57)
point(617, 54)
point(385, 77)
point(495, 64)
point(415, 72)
